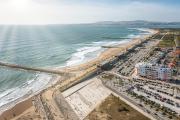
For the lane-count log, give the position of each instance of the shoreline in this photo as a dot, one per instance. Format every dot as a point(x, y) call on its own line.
point(29, 96)
point(109, 52)
point(105, 55)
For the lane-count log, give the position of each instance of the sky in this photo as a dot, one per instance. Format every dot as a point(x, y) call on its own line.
point(87, 11)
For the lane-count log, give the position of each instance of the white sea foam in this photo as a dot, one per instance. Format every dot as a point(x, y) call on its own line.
point(12, 96)
point(146, 30)
point(80, 55)
point(90, 51)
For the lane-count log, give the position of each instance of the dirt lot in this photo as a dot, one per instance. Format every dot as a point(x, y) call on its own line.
point(115, 109)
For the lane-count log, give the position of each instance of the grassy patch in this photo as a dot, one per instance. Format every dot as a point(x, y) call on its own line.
point(115, 109)
point(168, 41)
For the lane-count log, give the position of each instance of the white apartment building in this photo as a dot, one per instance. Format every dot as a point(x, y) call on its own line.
point(164, 73)
point(155, 72)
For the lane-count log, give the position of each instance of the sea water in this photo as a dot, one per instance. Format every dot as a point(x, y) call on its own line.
point(51, 46)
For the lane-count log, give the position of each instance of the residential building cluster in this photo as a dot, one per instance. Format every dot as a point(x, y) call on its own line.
point(153, 71)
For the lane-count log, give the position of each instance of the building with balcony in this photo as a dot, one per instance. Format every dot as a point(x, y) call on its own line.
point(153, 71)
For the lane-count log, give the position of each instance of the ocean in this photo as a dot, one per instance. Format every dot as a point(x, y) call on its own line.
point(51, 46)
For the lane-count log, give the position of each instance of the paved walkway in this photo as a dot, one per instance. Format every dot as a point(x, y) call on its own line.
point(84, 97)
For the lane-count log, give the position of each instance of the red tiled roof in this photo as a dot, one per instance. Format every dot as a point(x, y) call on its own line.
point(177, 52)
point(171, 65)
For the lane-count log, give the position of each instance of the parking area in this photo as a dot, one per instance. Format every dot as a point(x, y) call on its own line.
point(126, 63)
point(154, 98)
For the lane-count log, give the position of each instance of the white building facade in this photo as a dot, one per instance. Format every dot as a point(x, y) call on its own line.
point(164, 73)
point(155, 72)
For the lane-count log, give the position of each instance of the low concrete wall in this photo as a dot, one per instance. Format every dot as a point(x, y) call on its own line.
point(80, 79)
point(64, 107)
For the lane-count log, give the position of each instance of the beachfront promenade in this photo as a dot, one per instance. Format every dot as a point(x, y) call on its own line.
point(34, 69)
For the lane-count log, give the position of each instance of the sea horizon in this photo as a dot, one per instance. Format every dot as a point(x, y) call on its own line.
point(89, 59)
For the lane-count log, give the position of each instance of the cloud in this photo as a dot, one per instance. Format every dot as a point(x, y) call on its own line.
point(60, 11)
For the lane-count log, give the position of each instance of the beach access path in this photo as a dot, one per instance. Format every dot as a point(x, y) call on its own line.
point(85, 96)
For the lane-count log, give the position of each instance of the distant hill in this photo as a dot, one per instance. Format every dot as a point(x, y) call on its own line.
point(141, 23)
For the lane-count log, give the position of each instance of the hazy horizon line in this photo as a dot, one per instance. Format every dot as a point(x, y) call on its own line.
point(41, 24)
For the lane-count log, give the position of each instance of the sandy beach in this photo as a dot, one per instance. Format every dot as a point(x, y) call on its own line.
point(16, 110)
point(25, 107)
point(109, 53)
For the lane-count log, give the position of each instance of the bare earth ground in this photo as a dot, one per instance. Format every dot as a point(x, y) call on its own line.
point(115, 109)
point(29, 114)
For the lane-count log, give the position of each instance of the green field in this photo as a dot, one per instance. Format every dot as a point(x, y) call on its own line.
point(168, 41)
